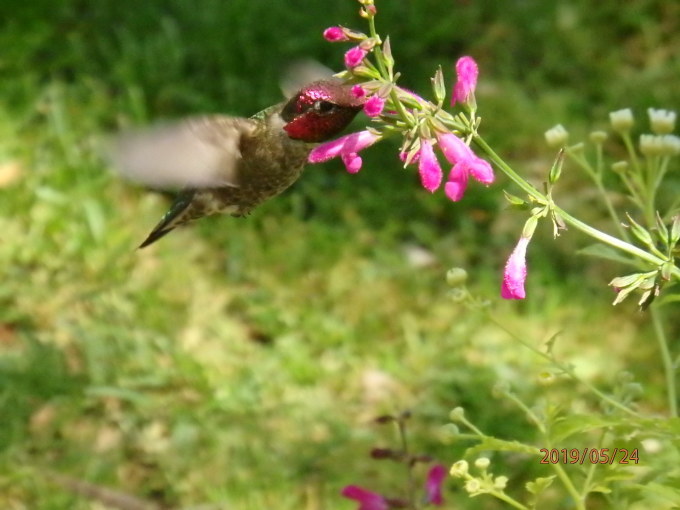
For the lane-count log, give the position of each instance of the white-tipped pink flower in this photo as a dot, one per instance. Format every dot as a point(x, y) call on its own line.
point(374, 106)
point(464, 89)
point(465, 163)
point(354, 56)
point(335, 34)
point(346, 147)
point(428, 166)
point(516, 271)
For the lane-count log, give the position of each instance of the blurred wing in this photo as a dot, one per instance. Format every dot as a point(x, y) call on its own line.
point(201, 152)
point(300, 73)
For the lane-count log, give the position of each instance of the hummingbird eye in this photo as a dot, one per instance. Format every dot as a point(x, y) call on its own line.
point(323, 106)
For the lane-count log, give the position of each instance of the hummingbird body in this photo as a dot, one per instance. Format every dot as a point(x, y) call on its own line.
point(231, 165)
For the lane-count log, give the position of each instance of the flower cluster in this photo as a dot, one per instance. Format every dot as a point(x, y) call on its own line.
point(426, 128)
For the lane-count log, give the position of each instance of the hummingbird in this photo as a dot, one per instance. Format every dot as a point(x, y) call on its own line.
point(230, 165)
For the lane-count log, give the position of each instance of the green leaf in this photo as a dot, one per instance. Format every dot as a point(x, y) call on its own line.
point(500, 445)
point(664, 492)
point(575, 424)
point(603, 251)
point(539, 484)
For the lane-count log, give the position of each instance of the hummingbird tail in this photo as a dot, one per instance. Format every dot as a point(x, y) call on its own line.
point(171, 219)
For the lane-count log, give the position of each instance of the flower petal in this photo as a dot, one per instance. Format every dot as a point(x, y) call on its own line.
point(352, 162)
point(457, 183)
point(515, 271)
point(351, 143)
point(367, 500)
point(428, 166)
point(481, 170)
point(454, 149)
point(433, 485)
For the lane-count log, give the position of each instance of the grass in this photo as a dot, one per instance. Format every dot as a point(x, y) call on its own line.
point(240, 363)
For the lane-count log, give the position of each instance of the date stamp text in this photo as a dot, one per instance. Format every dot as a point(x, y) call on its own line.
point(589, 455)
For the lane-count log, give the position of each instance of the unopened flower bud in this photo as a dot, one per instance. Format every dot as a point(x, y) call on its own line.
point(671, 145)
point(651, 145)
point(546, 378)
point(456, 276)
point(500, 482)
point(457, 414)
point(557, 136)
point(500, 389)
point(620, 167)
point(598, 137)
point(335, 34)
point(482, 463)
point(459, 469)
point(448, 433)
point(622, 120)
point(661, 121)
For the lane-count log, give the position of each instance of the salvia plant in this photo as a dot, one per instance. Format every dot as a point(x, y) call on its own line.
point(619, 456)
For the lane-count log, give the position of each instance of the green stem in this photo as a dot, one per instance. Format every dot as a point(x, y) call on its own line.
point(565, 368)
point(667, 361)
point(568, 218)
point(510, 501)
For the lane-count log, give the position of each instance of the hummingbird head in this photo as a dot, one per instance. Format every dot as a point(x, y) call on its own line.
point(320, 110)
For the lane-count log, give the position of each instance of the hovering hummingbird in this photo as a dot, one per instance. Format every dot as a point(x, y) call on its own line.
point(231, 165)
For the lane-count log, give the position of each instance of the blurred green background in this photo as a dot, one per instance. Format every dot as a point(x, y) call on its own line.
point(239, 363)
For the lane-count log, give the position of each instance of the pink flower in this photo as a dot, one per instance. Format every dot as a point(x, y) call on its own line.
point(374, 106)
point(428, 166)
point(358, 91)
point(433, 485)
point(456, 183)
point(367, 500)
point(335, 34)
point(515, 271)
point(354, 56)
point(347, 147)
point(465, 163)
point(464, 89)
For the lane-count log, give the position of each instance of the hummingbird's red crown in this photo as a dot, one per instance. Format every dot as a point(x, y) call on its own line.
point(320, 110)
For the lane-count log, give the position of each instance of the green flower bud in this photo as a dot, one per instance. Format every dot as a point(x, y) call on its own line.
point(622, 120)
point(456, 276)
point(661, 121)
point(482, 463)
point(457, 414)
point(557, 136)
point(500, 482)
point(598, 137)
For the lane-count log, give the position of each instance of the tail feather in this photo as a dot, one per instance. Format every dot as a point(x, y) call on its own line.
point(171, 219)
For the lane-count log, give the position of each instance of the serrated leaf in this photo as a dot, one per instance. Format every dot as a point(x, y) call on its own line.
point(665, 492)
point(575, 424)
point(603, 251)
point(499, 445)
point(537, 486)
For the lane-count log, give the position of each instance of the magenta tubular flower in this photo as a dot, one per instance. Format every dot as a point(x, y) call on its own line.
point(516, 271)
point(346, 147)
point(335, 34)
point(433, 484)
point(464, 89)
point(367, 500)
point(465, 163)
point(428, 166)
point(354, 56)
point(374, 106)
